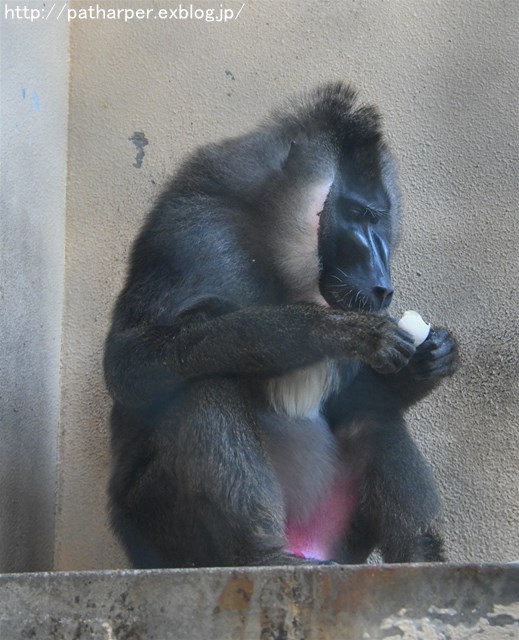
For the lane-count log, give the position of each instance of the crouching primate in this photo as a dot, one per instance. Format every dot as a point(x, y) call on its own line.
point(258, 381)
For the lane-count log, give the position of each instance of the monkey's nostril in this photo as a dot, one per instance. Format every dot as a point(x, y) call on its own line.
point(383, 296)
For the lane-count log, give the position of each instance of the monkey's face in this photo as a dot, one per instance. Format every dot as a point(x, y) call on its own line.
point(355, 236)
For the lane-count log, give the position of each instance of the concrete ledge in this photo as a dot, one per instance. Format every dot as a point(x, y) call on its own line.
point(307, 603)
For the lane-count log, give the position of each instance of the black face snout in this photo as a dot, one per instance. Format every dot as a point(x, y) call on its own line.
point(382, 296)
point(344, 293)
point(355, 268)
point(355, 239)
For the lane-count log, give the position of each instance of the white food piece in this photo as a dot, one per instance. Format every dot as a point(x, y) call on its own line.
point(413, 323)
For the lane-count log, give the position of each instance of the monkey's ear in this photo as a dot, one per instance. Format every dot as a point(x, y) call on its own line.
point(288, 152)
point(300, 148)
point(308, 159)
point(289, 158)
point(295, 145)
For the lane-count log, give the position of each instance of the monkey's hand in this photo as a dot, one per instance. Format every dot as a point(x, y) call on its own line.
point(391, 348)
point(376, 340)
point(435, 358)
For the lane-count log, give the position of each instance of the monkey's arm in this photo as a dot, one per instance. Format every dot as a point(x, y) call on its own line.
point(435, 359)
point(147, 360)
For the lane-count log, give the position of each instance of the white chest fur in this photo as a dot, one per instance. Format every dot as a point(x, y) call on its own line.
point(301, 393)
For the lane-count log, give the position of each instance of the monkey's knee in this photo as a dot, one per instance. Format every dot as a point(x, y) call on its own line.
point(431, 545)
point(424, 545)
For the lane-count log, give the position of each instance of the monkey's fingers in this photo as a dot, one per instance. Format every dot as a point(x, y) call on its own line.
point(438, 367)
point(437, 357)
point(438, 339)
point(395, 350)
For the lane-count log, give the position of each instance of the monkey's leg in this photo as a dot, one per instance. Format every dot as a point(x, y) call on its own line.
point(360, 540)
point(400, 500)
point(207, 496)
point(398, 505)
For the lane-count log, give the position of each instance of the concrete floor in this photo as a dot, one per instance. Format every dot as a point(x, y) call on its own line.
point(423, 602)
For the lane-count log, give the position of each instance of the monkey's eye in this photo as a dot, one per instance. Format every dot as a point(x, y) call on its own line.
point(357, 210)
point(374, 216)
point(365, 214)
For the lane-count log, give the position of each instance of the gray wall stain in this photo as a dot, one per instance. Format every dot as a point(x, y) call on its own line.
point(140, 141)
point(33, 157)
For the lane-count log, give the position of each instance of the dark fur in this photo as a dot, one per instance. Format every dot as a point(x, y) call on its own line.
point(205, 471)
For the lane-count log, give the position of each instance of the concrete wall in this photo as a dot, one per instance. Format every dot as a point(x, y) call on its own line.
point(422, 602)
point(32, 240)
point(445, 75)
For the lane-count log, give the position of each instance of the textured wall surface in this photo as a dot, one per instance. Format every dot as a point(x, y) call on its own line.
point(445, 76)
point(32, 240)
point(417, 602)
